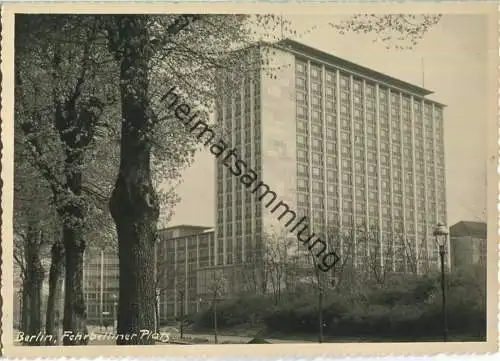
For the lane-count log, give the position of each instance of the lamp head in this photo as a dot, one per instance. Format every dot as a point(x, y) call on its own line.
point(440, 232)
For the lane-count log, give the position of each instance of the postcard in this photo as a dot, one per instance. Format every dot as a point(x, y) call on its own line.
point(235, 179)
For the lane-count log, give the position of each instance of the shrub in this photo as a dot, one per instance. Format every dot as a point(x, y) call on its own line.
point(403, 308)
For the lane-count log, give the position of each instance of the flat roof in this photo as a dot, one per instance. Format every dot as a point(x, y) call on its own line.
point(188, 226)
point(191, 231)
point(308, 51)
point(469, 228)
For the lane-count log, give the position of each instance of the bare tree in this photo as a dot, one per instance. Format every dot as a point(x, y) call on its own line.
point(35, 228)
point(171, 280)
point(217, 289)
point(375, 255)
point(305, 259)
point(254, 276)
point(278, 247)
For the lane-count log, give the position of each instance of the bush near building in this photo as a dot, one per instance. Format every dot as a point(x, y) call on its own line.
point(404, 307)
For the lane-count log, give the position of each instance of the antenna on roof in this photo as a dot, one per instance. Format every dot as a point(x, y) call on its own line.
point(281, 26)
point(423, 73)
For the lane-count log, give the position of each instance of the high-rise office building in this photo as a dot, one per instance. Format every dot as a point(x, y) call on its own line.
point(348, 147)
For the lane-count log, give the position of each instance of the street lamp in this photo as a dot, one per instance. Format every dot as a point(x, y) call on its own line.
point(157, 309)
point(115, 318)
point(441, 235)
point(215, 318)
point(320, 312)
point(181, 293)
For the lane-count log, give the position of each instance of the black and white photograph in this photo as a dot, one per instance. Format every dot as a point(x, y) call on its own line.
point(214, 176)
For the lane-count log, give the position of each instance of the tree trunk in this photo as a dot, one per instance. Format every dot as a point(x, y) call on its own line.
point(32, 287)
point(134, 204)
point(75, 121)
point(75, 317)
point(25, 306)
point(52, 320)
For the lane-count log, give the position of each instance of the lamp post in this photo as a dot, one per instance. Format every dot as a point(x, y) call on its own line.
point(20, 311)
point(157, 309)
point(215, 319)
point(181, 293)
point(320, 313)
point(441, 235)
point(115, 318)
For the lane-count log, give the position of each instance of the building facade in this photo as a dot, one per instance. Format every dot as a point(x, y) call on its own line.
point(347, 147)
point(101, 285)
point(468, 244)
point(179, 253)
point(182, 251)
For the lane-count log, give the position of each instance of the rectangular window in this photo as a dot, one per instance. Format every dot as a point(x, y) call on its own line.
point(317, 186)
point(317, 158)
point(330, 118)
point(329, 105)
point(300, 82)
point(317, 144)
point(302, 126)
point(315, 101)
point(330, 133)
point(347, 178)
point(316, 172)
point(331, 176)
point(302, 155)
point(301, 139)
point(315, 116)
point(317, 201)
point(301, 184)
point(300, 67)
point(330, 77)
point(315, 72)
point(301, 97)
point(316, 129)
point(301, 112)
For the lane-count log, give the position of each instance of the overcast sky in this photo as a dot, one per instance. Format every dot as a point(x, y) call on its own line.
point(454, 54)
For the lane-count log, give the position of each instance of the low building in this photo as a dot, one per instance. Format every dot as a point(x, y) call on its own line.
point(101, 284)
point(182, 250)
point(468, 244)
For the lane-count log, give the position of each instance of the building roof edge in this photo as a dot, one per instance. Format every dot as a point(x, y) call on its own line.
point(306, 50)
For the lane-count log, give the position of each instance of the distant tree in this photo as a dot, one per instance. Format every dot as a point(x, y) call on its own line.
point(254, 275)
point(171, 277)
point(279, 248)
point(375, 255)
point(61, 111)
point(35, 227)
point(344, 276)
point(217, 288)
